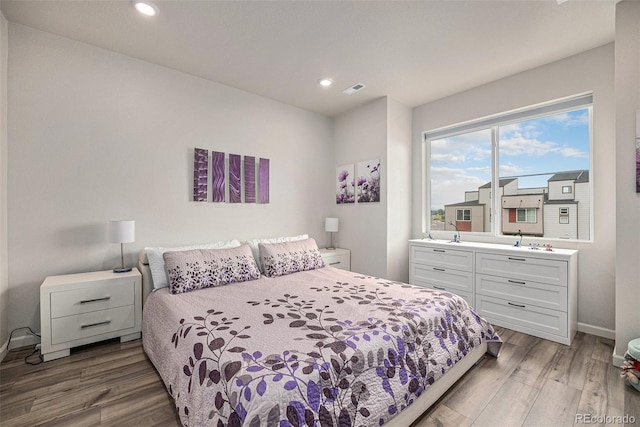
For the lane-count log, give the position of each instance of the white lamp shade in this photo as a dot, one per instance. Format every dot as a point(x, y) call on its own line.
point(331, 224)
point(122, 231)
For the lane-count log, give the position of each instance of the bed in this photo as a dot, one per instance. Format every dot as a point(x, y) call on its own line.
point(318, 347)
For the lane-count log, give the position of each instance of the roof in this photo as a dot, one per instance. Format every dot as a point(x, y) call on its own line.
point(502, 183)
point(577, 176)
point(470, 203)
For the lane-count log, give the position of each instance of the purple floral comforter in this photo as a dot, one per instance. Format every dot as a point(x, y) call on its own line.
point(320, 348)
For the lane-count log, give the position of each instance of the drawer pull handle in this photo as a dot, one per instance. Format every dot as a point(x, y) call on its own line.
point(516, 282)
point(334, 263)
point(106, 322)
point(517, 259)
point(439, 250)
point(439, 269)
point(86, 301)
point(438, 288)
point(516, 305)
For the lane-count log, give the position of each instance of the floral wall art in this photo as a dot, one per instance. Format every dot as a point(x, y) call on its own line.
point(345, 184)
point(368, 181)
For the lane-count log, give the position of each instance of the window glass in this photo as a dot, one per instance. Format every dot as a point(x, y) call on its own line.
point(460, 173)
point(543, 159)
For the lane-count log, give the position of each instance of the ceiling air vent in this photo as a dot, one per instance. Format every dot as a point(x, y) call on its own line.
point(353, 89)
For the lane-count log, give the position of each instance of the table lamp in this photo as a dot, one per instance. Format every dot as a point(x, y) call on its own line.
point(122, 232)
point(331, 225)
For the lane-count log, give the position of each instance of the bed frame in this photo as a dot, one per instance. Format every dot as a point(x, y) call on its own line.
point(409, 414)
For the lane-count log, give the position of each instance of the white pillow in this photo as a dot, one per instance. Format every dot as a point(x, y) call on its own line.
point(253, 244)
point(156, 260)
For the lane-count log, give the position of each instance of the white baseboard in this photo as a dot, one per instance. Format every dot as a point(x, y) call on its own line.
point(597, 331)
point(615, 359)
point(23, 341)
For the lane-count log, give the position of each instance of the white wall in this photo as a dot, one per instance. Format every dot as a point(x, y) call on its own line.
point(4, 282)
point(359, 135)
point(95, 135)
point(398, 190)
point(377, 233)
point(627, 77)
point(590, 71)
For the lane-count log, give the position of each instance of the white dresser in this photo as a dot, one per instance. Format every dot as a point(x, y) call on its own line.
point(530, 291)
point(338, 258)
point(78, 309)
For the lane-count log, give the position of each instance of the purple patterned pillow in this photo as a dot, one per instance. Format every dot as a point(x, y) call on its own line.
point(203, 268)
point(279, 259)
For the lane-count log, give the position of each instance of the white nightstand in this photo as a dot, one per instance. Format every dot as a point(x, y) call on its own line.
point(78, 309)
point(338, 258)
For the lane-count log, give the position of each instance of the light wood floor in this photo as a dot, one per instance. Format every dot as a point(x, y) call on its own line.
point(533, 383)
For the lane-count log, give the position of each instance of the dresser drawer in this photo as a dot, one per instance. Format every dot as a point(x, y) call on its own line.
point(442, 257)
point(432, 276)
point(525, 292)
point(70, 328)
point(523, 317)
point(100, 295)
point(518, 266)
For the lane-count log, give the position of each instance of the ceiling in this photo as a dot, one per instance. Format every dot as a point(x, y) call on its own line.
point(413, 52)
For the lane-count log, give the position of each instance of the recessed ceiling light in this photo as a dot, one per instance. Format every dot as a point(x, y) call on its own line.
point(145, 7)
point(326, 82)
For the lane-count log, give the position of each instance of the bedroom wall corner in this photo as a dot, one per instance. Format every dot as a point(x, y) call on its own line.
point(95, 135)
point(4, 277)
point(590, 71)
point(627, 94)
point(361, 134)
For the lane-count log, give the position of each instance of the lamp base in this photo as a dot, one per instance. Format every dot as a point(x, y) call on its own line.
point(122, 270)
point(330, 249)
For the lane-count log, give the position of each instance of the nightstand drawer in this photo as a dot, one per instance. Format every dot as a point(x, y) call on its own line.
point(100, 295)
point(337, 261)
point(70, 328)
point(337, 258)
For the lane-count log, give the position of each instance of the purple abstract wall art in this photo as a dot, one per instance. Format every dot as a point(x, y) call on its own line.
point(249, 179)
point(200, 174)
point(234, 178)
point(217, 179)
point(264, 180)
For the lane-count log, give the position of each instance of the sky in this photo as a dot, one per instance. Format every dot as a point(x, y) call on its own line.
point(544, 145)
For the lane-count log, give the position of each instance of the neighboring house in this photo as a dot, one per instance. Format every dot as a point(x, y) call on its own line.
point(560, 210)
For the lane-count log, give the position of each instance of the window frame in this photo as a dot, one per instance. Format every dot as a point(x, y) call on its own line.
point(526, 215)
point(567, 187)
point(463, 210)
point(582, 101)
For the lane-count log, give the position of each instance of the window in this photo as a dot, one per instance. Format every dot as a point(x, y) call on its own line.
point(526, 215)
point(463, 215)
point(513, 168)
point(563, 217)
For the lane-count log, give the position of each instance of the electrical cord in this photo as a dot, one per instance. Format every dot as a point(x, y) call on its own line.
point(35, 347)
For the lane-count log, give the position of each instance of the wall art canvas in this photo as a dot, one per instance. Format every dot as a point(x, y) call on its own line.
point(249, 179)
point(368, 181)
point(345, 192)
point(217, 179)
point(638, 151)
point(234, 178)
point(264, 180)
point(200, 174)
